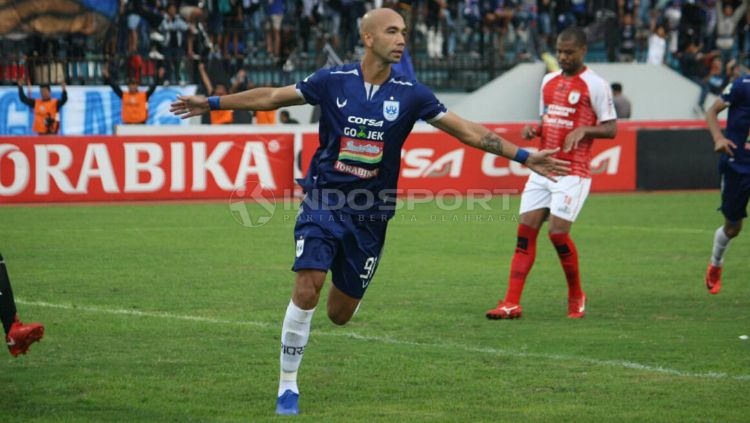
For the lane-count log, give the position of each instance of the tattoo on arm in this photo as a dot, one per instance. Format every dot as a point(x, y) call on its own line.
point(492, 143)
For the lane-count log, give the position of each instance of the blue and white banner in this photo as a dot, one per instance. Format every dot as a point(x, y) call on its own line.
point(90, 110)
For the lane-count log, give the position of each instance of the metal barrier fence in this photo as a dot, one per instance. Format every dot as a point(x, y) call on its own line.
point(457, 73)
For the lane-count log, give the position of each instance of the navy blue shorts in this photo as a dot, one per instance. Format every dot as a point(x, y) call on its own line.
point(735, 192)
point(349, 245)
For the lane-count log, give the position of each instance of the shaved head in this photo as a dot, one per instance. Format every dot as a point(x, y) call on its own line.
point(383, 34)
point(378, 18)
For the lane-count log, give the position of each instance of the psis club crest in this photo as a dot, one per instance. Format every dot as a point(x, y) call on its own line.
point(574, 96)
point(390, 110)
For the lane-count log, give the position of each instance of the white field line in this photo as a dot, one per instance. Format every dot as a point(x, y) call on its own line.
point(661, 229)
point(393, 341)
point(583, 226)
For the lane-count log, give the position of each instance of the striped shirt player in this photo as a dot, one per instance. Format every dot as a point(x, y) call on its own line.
point(576, 107)
point(567, 103)
point(367, 111)
point(734, 168)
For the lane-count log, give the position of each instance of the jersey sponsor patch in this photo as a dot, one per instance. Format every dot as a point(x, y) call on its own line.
point(355, 170)
point(361, 151)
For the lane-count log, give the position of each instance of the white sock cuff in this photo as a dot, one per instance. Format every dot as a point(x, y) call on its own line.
point(721, 242)
point(298, 314)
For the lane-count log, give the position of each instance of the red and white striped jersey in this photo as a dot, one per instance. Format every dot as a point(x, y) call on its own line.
point(567, 103)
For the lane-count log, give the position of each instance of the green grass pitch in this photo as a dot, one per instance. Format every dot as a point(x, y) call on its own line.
point(172, 313)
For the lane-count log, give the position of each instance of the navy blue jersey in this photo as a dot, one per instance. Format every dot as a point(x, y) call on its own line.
point(362, 129)
point(737, 95)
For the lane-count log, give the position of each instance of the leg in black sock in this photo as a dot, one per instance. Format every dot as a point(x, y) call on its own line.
point(7, 304)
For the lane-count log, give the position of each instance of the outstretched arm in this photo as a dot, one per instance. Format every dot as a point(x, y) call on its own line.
point(721, 143)
point(264, 98)
point(477, 136)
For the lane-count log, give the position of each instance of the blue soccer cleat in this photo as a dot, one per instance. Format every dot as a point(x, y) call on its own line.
point(287, 403)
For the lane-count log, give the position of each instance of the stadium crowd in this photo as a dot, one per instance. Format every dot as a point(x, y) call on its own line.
point(706, 40)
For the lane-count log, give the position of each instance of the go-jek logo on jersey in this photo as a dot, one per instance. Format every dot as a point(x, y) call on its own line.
point(364, 133)
point(364, 121)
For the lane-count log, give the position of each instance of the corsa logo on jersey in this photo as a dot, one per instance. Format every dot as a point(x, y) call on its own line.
point(364, 121)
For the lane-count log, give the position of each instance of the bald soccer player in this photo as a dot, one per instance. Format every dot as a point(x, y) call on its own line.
point(367, 111)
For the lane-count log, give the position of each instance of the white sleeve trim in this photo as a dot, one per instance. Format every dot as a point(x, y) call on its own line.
point(299, 93)
point(437, 117)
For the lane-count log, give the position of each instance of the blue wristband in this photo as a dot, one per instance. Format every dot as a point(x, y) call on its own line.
point(213, 103)
point(521, 156)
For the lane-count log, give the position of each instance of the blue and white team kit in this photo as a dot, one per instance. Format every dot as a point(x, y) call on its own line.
point(350, 187)
point(735, 171)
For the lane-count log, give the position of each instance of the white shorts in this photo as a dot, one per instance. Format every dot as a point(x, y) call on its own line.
point(276, 21)
point(563, 198)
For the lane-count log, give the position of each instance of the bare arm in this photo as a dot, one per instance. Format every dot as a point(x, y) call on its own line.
point(606, 129)
point(721, 143)
point(264, 98)
point(206, 80)
point(477, 136)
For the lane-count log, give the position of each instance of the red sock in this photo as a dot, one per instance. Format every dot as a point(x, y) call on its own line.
point(523, 259)
point(566, 250)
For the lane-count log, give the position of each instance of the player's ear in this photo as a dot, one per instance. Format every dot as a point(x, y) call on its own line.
point(366, 39)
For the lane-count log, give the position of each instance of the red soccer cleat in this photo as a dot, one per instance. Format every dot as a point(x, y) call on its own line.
point(21, 336)
point(504, 310)
point(713, 279)
point(577, 307)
